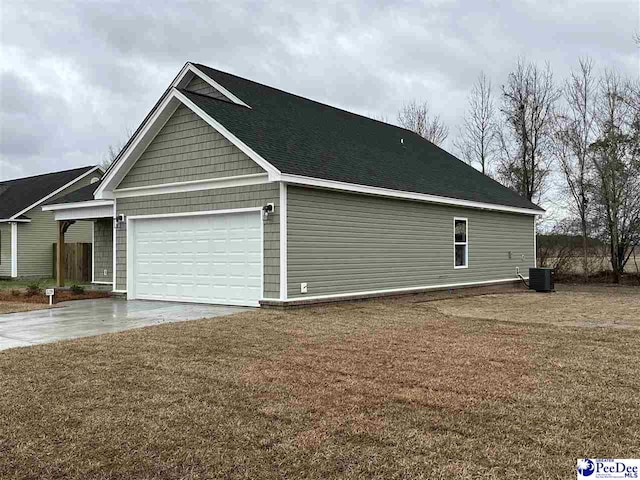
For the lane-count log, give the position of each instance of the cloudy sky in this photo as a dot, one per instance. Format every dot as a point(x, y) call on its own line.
point(76, 76)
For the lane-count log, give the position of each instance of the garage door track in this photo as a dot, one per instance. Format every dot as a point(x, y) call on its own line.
point(84, 318)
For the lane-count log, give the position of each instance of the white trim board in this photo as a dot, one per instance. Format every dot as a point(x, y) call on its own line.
point(14, 249)
point(86, 204)
point(103, 211)
point(93, 252)
point(385, 192)
point(151, 128)
point(174, 98)
point(192, 186)
point(190, 70)
point(114, 247)
point(137, 146)
point(270, 169)
point(196, 213)
point(535, 243)
point(53, 194)
point(283, 241)
point(393, 290)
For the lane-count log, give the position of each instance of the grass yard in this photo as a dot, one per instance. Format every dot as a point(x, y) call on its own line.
point(11, 283)
point(406, 388)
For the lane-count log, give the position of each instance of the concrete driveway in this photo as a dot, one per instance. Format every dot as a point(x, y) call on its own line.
point(83, 318)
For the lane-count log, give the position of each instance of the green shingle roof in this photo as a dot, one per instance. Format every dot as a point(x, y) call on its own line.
point(302, 137)
point(18, 194)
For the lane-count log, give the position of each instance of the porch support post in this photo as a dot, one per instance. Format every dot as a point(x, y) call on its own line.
point(63, 226)
point(60, 254)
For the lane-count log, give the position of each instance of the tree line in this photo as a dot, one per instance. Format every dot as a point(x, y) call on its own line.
point(583, 133)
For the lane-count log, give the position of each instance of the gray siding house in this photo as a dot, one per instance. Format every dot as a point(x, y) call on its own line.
point(27, 233)
point(234, 192)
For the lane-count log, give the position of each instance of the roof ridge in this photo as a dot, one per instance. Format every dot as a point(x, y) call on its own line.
point(308, 99)
point(49, 173)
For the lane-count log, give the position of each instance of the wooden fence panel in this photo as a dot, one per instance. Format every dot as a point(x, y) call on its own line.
point(77, 259)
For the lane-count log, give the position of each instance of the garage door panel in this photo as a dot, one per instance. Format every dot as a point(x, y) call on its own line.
point(203, 258)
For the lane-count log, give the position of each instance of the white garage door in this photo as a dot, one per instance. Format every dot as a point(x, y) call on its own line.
point(200, 258)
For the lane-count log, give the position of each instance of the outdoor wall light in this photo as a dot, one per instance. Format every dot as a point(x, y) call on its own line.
point(268, 209)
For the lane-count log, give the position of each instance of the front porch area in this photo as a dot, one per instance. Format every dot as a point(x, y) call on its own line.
point(100, 213)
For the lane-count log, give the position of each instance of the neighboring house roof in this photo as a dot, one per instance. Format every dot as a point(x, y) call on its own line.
point(83, 194)
point(22, 194)
point(299, 136)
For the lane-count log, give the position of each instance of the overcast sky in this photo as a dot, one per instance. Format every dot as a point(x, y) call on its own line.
point(75, 76)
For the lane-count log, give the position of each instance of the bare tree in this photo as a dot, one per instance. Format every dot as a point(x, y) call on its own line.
point(525, 136)
point(416, 117)
point(617, 164)
point(477, 137)
point(379, 117)
point(114, 150)
point(575, 131)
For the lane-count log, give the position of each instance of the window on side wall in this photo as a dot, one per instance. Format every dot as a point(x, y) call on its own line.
point(460, 243)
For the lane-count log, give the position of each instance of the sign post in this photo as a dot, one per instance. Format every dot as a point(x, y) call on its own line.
point(50, 292)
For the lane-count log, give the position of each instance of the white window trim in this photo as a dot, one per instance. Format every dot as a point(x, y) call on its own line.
point(131, 222)
point(465, 243)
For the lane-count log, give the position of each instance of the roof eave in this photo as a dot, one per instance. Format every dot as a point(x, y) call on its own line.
point(55, 192)
point(386, 192)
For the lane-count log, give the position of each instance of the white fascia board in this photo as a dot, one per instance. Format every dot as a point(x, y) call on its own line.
point(53, 194)
point(184, 78)
point(67, 206)
point(273, 172)
point(137, 146)
point(154, 124)
point(15, 220)
point(192, 186)
point(386, 192)
point(91, 213)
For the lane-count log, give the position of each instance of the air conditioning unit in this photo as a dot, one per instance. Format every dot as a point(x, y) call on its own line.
point(541, 279)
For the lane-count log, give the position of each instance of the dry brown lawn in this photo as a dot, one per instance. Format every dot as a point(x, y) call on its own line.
point(587, 306)
point(380, 389)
